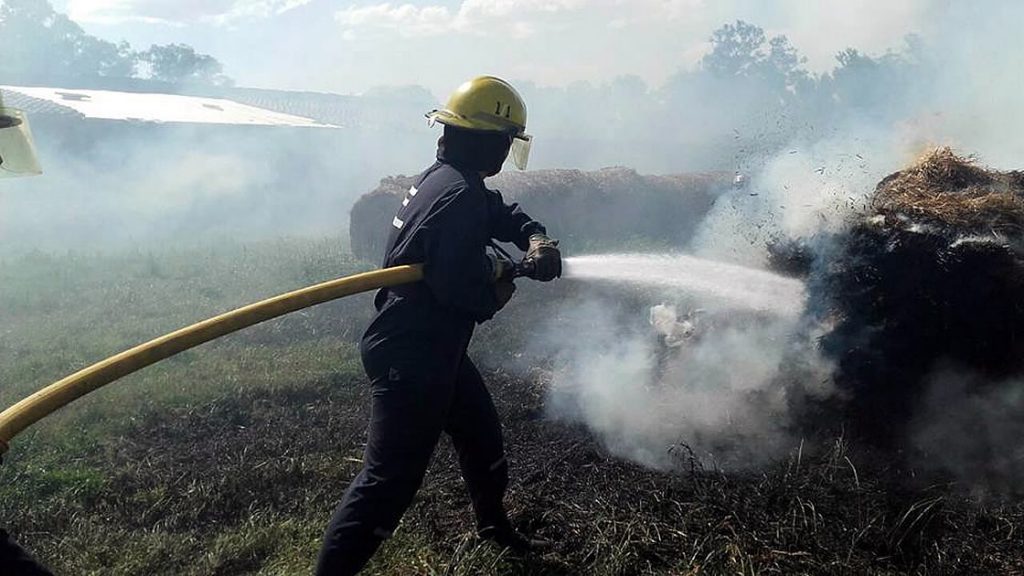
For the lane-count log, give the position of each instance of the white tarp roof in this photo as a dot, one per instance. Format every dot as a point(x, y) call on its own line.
point(148, 107)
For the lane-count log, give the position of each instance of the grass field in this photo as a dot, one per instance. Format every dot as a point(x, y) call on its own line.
point(229, 458)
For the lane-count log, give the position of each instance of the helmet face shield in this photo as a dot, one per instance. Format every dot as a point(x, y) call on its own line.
point(520, 152)
point(17, 150)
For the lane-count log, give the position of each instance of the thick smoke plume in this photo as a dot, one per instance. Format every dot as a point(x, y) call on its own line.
point(716, 394)
point(809, 180)
point(912, 312)
point(661, 387)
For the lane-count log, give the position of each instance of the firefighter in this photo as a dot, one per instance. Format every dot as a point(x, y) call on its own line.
point(414, 352)
point(17, 158)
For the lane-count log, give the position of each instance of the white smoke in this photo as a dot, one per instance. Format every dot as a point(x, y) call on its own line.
point(645, 381)
point(971, 427)
point(809, 188)
point(138, 185)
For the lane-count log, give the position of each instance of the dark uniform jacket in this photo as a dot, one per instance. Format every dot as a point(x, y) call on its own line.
point(446, 221)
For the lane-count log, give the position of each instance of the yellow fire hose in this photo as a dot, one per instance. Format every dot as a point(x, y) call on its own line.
point(61, 393)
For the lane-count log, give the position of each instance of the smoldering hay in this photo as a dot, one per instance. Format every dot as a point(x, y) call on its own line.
point(929, 280)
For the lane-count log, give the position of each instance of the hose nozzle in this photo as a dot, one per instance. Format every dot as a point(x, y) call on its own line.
point(511, 268)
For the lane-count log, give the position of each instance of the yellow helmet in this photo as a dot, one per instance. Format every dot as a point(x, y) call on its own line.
point(17, 150)
point(488, 104)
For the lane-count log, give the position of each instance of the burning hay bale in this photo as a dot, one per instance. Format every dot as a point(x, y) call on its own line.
point(931, 278)
point(946, 191)
point(608, 207)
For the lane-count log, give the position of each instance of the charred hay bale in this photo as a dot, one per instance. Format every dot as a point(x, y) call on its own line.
point(583, 209)
point(932, 276)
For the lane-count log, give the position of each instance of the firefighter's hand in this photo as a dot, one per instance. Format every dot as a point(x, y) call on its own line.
point(545, 256)
point(503, 291)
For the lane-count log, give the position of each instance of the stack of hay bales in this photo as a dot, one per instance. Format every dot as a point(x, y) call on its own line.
point(585, 210)
point(931, 278)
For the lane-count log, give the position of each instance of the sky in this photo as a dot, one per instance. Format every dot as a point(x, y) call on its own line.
point(349, 47)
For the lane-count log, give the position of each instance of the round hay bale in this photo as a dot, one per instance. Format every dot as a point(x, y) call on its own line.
point(585, 210)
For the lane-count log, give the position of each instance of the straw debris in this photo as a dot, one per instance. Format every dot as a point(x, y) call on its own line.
point(954, 192)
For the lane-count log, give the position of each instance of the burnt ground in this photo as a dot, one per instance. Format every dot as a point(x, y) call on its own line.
point(243, 485)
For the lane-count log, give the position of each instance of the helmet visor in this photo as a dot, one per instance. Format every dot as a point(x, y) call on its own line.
point(520, 152)
point(17, 150)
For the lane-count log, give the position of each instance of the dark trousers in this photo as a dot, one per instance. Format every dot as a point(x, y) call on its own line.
point(412, 404)
point(14, 561)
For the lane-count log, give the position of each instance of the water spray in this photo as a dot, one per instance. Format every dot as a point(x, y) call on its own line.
point(728, 285)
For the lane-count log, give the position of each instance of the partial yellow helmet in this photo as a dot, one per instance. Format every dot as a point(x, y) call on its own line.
point(488, 104)
point(17, 150)
point(484, 103)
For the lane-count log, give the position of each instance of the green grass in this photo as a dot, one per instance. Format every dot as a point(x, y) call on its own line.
point(60, 314)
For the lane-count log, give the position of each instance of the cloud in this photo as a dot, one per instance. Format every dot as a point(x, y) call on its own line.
point(870, 25)
point(406, 19)
point(514, 18)
point(177, 12)
point(557, 42)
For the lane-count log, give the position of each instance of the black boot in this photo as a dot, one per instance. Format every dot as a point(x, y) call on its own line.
point(505, 536)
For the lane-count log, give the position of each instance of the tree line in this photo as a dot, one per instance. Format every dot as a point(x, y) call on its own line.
point(39, 44)
point(751, 93)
